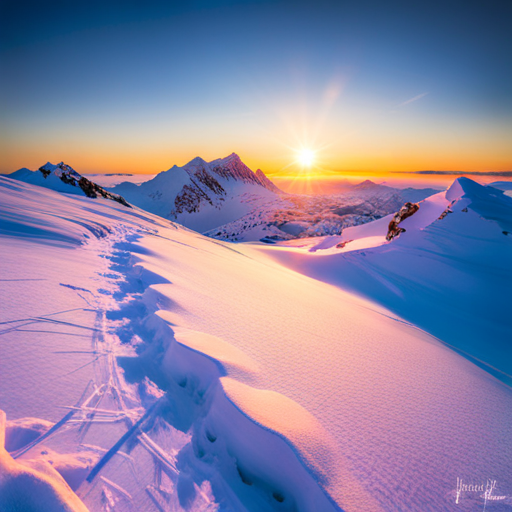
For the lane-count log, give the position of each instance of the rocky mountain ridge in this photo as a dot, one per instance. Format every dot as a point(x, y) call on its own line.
point(64, 178)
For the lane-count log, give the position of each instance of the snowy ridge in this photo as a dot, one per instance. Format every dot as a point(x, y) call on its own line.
point(265, 182)
point(63, 178)
point(232, 167)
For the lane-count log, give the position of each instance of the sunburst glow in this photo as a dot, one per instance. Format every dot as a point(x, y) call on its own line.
point(306, 157)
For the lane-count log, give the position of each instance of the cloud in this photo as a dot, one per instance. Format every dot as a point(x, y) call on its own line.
point(422, 95)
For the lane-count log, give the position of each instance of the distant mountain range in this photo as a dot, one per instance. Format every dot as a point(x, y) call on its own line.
point(225, 199)
point(289, 216)
point(506, 174)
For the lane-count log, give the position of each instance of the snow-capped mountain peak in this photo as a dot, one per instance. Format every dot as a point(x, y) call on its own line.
point(232, 167)
point(469, 188)
point(487, 201)
point(62, 171)
point(230, 158)
point(202, 195)
point(195, 162)
point(63, 178)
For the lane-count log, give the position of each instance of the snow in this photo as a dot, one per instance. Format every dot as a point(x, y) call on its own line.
point(185, 373)
point(502, 185)
point(295, 217)
point(33, 484)
point(436, 275)
point(22, 431)
point(53, 181)
point(210, 216)
point(215, 348)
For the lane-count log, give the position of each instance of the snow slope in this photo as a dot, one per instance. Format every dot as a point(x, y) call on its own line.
point(201, 195)
point(450, 276)
point(183, 373)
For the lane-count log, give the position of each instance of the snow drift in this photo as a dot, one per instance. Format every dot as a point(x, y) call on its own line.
point(33, 484)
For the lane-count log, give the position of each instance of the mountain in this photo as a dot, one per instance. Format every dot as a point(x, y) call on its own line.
point(225, 199)
point(202, 195)
point(365, 185)
point(63, 178)
point(413, 195)
point(406, 194)
point(265, 182)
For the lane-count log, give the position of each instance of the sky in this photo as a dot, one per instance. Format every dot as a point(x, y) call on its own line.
point(367, 86)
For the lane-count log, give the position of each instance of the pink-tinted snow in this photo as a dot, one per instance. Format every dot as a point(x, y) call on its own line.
point(294, 393)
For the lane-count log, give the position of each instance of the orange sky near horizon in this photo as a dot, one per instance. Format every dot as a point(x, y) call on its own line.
point(409, 140)
point(281, 163)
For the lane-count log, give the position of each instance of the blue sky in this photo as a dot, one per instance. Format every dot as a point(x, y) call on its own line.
point(127, 86)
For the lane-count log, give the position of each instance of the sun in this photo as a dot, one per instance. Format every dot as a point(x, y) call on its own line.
point(306, 157)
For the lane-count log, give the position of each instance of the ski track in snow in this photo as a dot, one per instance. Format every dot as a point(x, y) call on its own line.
point(110, 407)
point(111, 419)
point(109, 400)
point(125, 408)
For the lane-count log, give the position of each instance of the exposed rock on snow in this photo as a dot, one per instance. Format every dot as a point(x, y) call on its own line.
point(407, 210)
point(49, 175)
point(190, 198)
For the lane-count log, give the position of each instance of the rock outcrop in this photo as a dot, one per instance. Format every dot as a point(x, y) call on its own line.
point(70, 177)
point(407, 210)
